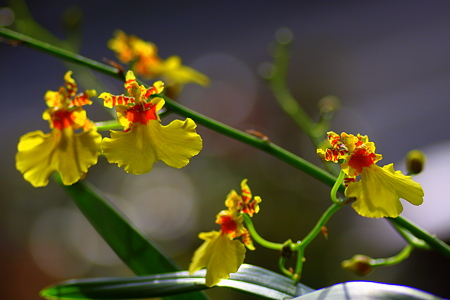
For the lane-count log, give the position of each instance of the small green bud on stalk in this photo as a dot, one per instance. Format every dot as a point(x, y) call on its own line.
point(415, 161)
point(358, 264)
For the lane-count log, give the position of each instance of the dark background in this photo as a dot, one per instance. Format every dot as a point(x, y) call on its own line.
point(387, 61)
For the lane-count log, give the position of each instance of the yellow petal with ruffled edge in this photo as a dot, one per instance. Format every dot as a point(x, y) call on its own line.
point(379, 191)
point(139, 148)
point(219, 255)
point(63, 151)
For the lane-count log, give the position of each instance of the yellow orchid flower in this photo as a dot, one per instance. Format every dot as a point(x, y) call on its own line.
point(62, 150)
point(379, 190)
point(145, 140)
point(147, 63)
point(222, 253)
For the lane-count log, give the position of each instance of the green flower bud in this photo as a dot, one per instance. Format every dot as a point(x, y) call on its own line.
point(358, 264)
point(328, 105)
point(415, 161)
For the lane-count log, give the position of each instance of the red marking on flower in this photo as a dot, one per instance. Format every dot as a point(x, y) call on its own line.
point(228, 224)
point(62, 118)
point(141, 113)
point(348, 180)
point(80, 100)
point(246, 195)
point(361, 158)
point(119, 100)
point(128, 83)
point(359, 142)
point(150, 91)
point(334, 139)
point(334, 154)
point(248, 208)
point(246, 238)
point(71, 89)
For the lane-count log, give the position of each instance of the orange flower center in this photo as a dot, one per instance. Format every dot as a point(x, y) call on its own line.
point(228, 224)
point(361, 158)
point(62, 118)
point(142, 113)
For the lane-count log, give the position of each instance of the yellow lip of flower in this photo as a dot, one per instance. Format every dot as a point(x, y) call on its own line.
point(219, 255)
point(222, 253)
point(61, 150)
point(145, 140)
point(379, 190)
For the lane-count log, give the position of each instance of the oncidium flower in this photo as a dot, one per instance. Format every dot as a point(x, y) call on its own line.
point(145, 140)
point(379, 190)
point(62, 150)
point(222, 252)
point(146, 62)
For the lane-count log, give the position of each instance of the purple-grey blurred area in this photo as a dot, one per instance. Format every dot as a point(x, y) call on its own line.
point(387, 61)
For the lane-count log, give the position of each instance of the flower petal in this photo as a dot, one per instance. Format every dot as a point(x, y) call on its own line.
point(71, 84)
point(63, 151)
point(175, 72)
point(54, 99)
point(379, 191)
point(220, 255)
point(139, 148)
point(119, 44)
point(111, 100)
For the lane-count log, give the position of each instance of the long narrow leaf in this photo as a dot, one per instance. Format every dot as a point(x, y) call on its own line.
point(365, 290)
point(138, 252)
point(251, 280)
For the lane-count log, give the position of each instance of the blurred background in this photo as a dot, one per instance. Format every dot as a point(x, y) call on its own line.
point(387, 61)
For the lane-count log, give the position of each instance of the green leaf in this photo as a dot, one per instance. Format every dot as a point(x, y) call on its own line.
point(251, 280)
point(138, 252)
point(365, 290)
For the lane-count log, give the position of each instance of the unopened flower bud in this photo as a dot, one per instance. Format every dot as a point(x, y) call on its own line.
point(415, 161)
point(358, 264)
point(328, 105)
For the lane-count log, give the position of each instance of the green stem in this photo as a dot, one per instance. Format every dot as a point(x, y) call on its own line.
point(277, 82)
point(257, 237)
point(61, 53)
point(299, 267)
point(269, 148)
point(408, 237)
point(318, 227)
point(336, 186)
point(401, 256)
point(301, 246)
point(108, 125)
point(418, 232)
point(283, 269)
